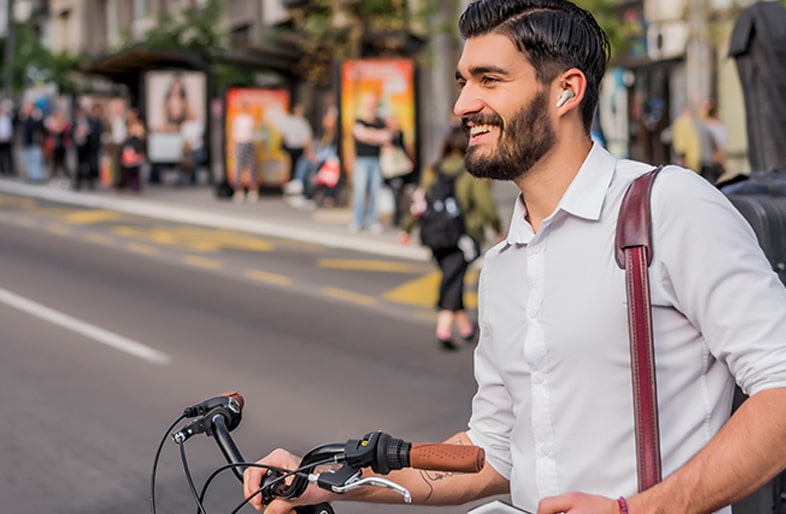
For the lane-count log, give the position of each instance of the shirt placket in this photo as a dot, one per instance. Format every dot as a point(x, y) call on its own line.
point(535, 351)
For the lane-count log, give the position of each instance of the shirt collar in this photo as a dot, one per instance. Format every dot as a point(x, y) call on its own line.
point(583, 198)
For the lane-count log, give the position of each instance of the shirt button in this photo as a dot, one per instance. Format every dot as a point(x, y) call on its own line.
point(545, 450)
point(537, 377)
point(532, 313)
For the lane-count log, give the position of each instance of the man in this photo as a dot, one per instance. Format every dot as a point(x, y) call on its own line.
point(553, 410)
point(6, 139)
point(369, 134)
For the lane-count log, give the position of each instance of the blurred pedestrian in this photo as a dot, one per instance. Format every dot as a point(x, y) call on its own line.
point(296, 135)
point(58, 131)
point(193, 152)
point(245, 172)
point(716, 166)
point(6, 139)
point(31, 124)
point(95, 139)
point(478, 210)
point(396, 183)
point(80, 135)
point(132, 156)
point(303, 187)
point(369, 133)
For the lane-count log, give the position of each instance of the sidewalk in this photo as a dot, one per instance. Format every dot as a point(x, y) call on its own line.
point(270, 216)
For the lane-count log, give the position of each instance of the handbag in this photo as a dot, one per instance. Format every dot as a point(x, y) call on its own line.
point(329, 173)
point(394, 162)
point(633, 253)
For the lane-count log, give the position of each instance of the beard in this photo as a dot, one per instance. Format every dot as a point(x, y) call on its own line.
point(522, 142)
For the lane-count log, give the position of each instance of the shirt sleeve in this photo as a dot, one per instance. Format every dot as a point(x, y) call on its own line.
point(492, 417)
point(707, 256)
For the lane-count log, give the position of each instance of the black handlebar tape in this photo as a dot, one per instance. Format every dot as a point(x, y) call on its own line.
point(447, 457)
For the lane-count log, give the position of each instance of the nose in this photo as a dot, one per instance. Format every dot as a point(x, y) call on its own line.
point(467, 102)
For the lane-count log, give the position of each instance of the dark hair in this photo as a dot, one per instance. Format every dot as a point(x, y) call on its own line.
point(555, 35)
point(456, 140)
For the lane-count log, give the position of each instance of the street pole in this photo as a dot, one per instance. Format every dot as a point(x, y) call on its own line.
point(699, 65)
point(8, 58)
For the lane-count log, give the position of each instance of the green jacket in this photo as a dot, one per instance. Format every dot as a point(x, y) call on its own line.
point(474, 197)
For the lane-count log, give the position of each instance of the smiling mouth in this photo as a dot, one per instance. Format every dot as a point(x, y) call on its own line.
point(480, 130)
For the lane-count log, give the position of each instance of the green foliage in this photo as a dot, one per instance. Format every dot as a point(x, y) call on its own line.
point(621, 34)
point(33, 63)
point(191, 30)
point(326, 34)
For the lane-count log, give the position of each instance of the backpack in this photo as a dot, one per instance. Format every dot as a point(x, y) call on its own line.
point(441, 224)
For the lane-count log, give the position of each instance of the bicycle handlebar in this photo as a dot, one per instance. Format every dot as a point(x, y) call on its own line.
point(218, 416)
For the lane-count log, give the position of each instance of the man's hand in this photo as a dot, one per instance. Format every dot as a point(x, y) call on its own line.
point(252, 479)
point(578, 503)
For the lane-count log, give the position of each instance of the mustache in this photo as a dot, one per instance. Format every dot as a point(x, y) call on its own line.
point(481, 119)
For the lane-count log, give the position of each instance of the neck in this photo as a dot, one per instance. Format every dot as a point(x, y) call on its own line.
point(544, 185)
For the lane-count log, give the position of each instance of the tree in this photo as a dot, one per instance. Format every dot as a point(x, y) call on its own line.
point(33, 63)
point(330, 31)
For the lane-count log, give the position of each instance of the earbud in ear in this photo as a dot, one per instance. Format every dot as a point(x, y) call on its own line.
point(567, 94)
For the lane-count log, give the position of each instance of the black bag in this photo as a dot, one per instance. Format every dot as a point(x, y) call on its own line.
point(767, 216)
point(441, 224)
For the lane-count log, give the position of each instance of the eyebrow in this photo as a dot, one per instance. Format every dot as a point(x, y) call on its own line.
point(480, 70)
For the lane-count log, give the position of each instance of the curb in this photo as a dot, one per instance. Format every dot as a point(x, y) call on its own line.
point(165, 211)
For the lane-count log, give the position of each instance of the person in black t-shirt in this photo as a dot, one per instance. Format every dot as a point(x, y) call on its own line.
point(369, 133)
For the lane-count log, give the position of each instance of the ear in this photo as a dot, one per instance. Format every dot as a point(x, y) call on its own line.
point(569, 89)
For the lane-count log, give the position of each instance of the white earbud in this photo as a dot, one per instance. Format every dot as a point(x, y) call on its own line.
point(566, 95)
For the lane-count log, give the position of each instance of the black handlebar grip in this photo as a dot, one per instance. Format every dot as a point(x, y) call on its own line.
point(320, 508)
point(447, 457)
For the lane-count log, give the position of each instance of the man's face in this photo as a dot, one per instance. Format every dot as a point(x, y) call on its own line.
point(503, 107)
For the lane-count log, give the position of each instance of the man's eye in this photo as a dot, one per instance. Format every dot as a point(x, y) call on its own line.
point(460, 84)
point(489, 80)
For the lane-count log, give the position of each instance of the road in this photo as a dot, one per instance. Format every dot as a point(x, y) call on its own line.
point(113, 325)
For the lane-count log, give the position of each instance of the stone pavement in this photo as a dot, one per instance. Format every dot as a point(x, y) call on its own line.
point(272, 215)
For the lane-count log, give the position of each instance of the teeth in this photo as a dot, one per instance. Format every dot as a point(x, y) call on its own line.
point(480, 129)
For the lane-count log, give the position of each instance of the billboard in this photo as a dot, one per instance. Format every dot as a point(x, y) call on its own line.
point(175, 101)
point(266, 107)
point(392, 81)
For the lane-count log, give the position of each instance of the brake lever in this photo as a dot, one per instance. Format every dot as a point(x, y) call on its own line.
point(374, 482)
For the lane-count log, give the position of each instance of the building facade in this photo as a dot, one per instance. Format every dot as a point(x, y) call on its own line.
point(679, 60)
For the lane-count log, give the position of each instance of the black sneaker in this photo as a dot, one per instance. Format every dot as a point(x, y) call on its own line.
point(447, 344)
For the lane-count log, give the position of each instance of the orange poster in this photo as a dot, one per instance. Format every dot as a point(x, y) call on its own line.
point(392, 81)
point(265, 106)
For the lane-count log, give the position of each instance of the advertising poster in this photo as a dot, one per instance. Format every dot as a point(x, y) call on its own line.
point(175, 103)
point(392, 81)
point(262, 107)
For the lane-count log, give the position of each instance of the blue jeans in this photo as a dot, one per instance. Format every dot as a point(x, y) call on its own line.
point(366, 181)
point(34, 163)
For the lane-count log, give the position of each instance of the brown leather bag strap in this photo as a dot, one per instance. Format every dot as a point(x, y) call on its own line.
point(634, 254)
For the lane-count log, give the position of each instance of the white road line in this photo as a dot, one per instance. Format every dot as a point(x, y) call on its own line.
point(106, 337)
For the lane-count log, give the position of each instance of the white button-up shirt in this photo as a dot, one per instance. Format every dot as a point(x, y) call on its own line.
point(554, 408)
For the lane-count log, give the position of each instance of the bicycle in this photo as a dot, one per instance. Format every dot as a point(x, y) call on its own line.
point(218, 416)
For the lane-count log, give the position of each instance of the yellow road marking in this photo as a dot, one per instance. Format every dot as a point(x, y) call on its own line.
point(367, 265)
point(98, 238)
point(15, 200)
point(423, 291)
point(201, 262)
point(58, 229)
point(349, 296)
point(142, 249)
point(195, 239)
point(88, 217)
point(25, 222)
point(271, 278)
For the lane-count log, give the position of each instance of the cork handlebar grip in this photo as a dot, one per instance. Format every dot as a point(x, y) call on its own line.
point(446, 457)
